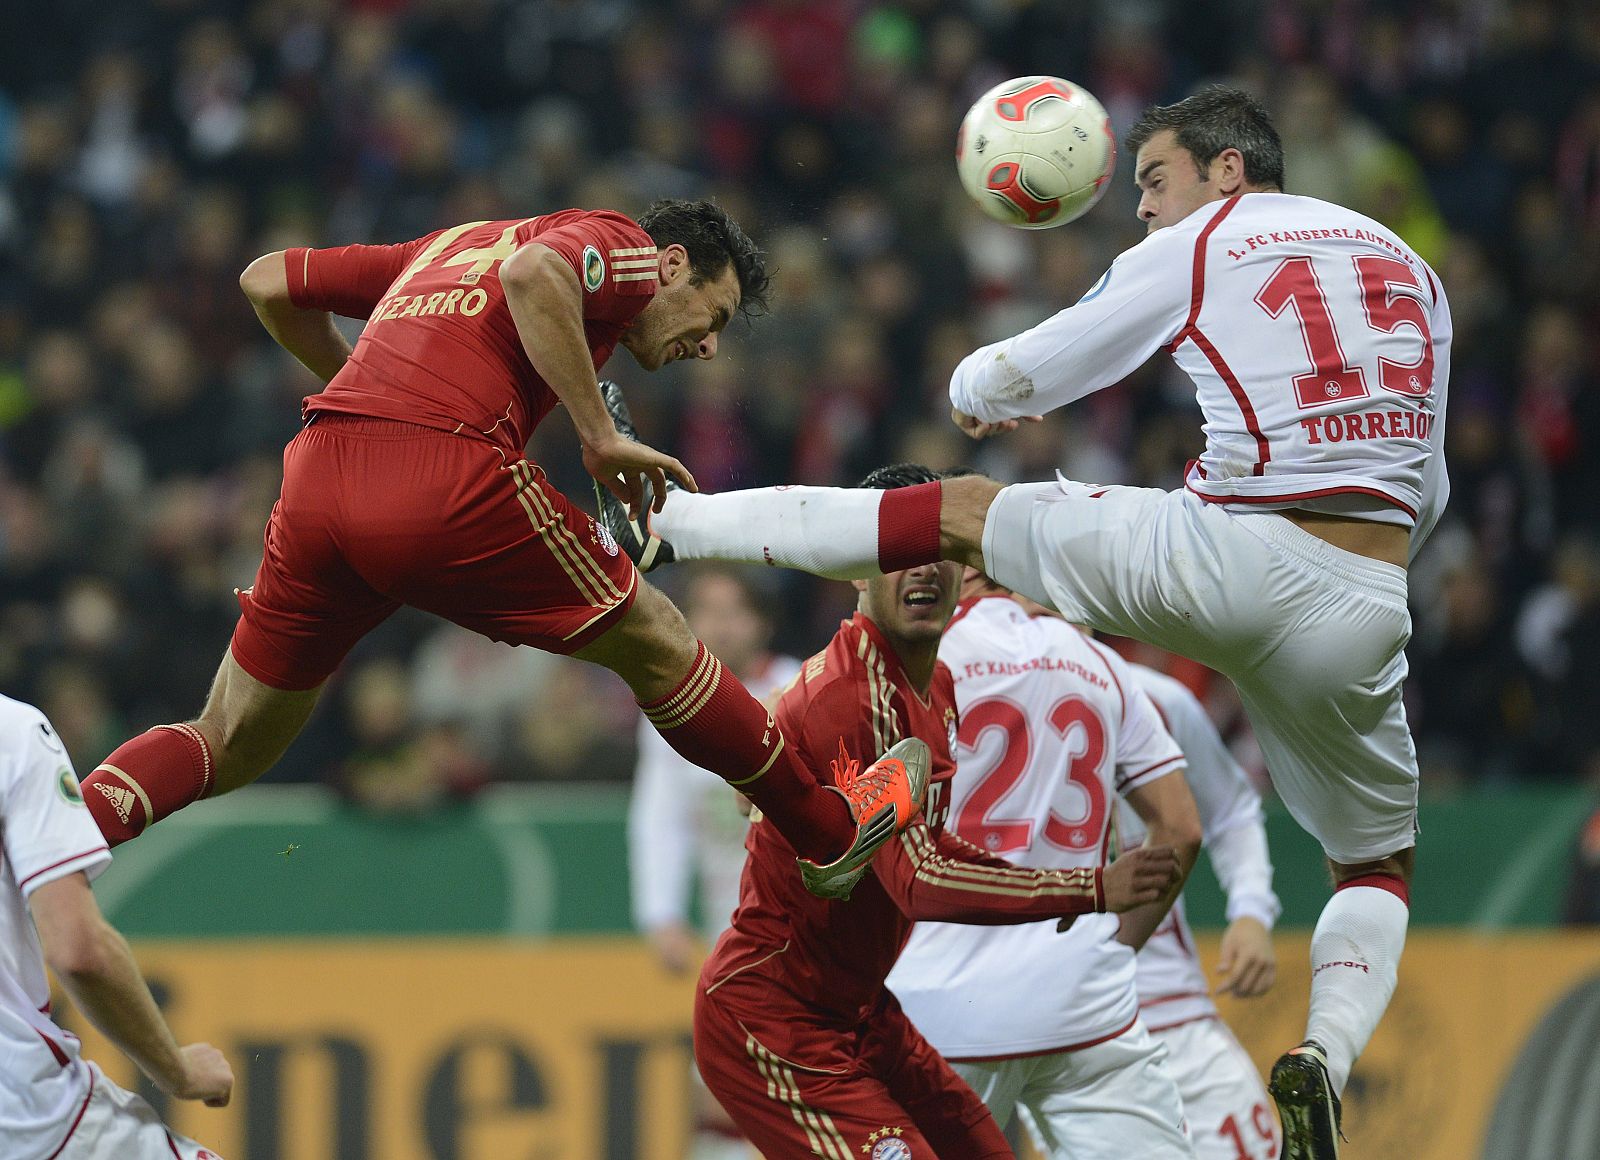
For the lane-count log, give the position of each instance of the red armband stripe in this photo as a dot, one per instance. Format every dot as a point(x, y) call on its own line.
point(908, 526)
point(297, 272)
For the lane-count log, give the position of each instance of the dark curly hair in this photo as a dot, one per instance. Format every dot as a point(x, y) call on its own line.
point(1214, 119)
point(895, 475)
point(713, 239)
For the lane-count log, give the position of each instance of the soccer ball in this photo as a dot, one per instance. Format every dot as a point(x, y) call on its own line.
point(1036, 152)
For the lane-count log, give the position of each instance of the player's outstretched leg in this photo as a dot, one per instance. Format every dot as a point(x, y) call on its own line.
point(1355, 959)
point(840, 532)
point(709, 718)
point(243, 730)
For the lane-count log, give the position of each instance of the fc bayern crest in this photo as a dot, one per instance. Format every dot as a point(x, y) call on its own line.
point(886, 1144)
point(602, 536)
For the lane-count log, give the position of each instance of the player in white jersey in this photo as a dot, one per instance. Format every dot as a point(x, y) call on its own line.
point(1223, 1097)
point(685, 829)
point(1053, 730)
point(55, 1105)
point(1319, 345)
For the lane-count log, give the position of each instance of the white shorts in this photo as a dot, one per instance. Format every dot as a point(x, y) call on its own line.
point(1107, 1102)
point(1230, 1114)
point(116, 1122)
point(1313, 636)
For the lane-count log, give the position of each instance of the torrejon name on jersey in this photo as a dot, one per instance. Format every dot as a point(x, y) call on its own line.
point(440, 348)
point(1318, 342)
point(1053, 729)
point(46, 833)
point(850, 703)
point(1172, 982)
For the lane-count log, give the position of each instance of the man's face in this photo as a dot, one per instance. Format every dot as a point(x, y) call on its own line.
point(912, 606)
point(1170, 187)
point(719, 612)
point(682, 320)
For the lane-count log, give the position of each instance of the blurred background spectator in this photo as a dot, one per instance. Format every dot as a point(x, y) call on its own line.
point(148, 150)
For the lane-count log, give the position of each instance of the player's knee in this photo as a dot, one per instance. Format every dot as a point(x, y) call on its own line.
point(963, 509)
point(247, 724)
point(1400, 865)
point(651, 643)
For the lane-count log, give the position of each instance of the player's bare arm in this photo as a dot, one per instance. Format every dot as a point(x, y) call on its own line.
point(309, 335)
point(96, 968)
point(546, 302)
point(1169, 813)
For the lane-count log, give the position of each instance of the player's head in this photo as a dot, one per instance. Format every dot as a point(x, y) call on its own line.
point(728, 613)
point(976, 583)
point(709, 270)
point(1204, 148)
point(911, 606)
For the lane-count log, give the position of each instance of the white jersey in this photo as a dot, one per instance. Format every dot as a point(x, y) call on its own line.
point(683, 822)
point(46, 833)
point(1052, 728)
point(1318, 342)
point(1172, 983)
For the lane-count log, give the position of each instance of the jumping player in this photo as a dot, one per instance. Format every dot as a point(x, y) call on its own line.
point(1319, 344)
point(1054, 732)
point(1223, 1096)
point(794, 1030)
point(54, 1104)
point(408, 486)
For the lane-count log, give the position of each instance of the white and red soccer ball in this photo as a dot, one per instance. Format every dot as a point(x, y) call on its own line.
point(1036, 152)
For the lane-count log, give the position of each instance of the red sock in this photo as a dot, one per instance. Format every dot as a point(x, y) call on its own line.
point(1380, 880)
point(156, 774)
point(908, 527)
point(712, 720)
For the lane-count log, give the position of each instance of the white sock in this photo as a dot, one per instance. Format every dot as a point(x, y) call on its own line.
point(827, 531)
point(1355, 955)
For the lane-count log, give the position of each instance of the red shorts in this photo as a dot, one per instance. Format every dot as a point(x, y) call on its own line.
point(377, 513)
point(798, 1084)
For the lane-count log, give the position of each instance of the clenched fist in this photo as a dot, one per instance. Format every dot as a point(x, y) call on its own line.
point(1141, 875)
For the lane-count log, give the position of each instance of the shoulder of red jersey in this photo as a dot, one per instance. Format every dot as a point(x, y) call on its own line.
point(823, 679)
point(615, 260)
point(942, 690)
point(840, 697)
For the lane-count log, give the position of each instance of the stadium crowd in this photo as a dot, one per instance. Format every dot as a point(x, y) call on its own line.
point(150, 148)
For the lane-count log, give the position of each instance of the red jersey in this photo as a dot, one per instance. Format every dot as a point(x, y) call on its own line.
point(834, 956)
point(440, 348)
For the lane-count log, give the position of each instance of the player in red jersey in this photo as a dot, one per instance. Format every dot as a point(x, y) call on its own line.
point(408, 486)
point(794, 1030)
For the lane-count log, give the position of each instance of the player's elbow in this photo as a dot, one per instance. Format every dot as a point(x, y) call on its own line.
point(265, 280)
point(85, 950)
point(1181, 830)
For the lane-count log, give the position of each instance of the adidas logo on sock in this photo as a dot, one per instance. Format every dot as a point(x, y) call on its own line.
point(121, 800)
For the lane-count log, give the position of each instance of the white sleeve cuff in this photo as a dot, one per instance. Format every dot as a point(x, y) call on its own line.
point(1264, 908)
